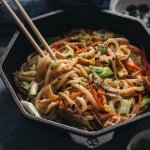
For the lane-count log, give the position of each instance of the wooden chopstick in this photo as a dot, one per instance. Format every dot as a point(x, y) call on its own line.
point(34, 28)
point(22, 27)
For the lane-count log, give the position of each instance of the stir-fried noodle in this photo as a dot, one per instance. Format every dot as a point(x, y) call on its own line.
point(99, 79)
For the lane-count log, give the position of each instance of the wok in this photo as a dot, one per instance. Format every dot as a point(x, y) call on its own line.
point(58, 23)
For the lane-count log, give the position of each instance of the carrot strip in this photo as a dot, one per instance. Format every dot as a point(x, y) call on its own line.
point(62, 105)
point(78, 49)
point(144, 79)
point(112, 85)
point(139, 104)
point(132, 66)
point(90, 107)
point(123, 118)
point(94, 93)
point(100, 93)
point(108, 115)
point(129, 83)
point(104, 116)
point(74, 95)
point(93, 44)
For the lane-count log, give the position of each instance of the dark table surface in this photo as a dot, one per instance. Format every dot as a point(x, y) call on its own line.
point(19, 133)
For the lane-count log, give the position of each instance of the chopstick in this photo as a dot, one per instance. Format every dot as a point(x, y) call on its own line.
point(26, 32)
point(34, 28)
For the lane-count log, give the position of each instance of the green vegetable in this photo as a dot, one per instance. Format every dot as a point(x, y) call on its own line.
point(33, 67)
point(68, 51)
point(145, 102)
point(25, 84)
point(30, 108)
point(143, 144)
point(102, 72)
point(102, 35)
point(102, 48)
point(52, 66)
point(34, 88)
point(83, 37)
point(125, 107)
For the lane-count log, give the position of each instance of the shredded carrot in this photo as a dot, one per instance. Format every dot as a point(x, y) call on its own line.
point(93, 44)
point(129, 83)
point(90, 107)
point(112, 85)
point(100, 93)
point(94, 93)
point(62, 105)
point(139, 105)
point(74, 95)
point(123, 118)
point(78, 49)
point(104, 116)
point(132, 66)
point(143, 78)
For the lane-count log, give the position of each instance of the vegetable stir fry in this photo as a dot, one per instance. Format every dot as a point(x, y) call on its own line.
point(98, 80)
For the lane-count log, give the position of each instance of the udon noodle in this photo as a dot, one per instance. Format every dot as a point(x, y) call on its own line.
point(98, 80)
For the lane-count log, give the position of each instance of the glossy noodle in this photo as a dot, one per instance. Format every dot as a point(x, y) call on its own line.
point(98, 80)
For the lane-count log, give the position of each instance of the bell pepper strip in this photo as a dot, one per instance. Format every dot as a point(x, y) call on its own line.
point(145, 101)
point(139, 104)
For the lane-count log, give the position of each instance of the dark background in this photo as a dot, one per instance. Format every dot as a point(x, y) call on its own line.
point(19, 133)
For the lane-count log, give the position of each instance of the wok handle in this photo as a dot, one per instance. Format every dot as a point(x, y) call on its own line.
point(92, 142)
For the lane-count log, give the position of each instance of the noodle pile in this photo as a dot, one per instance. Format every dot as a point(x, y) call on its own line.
point(98, 80)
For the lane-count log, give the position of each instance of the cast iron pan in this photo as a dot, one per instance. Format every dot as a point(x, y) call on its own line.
point(58, 23)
